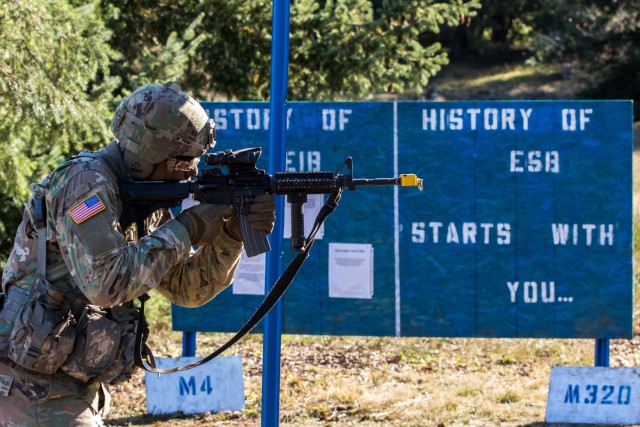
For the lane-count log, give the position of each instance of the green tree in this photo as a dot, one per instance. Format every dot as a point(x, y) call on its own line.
point(349, 50)
point(599, 39)
point(64, 62)
point(339, 49)
point(55, 89)
point(503, 30)
point(155, 39)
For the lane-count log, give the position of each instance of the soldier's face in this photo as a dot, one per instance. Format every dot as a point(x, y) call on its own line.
point(175, 169)
point(182, 168)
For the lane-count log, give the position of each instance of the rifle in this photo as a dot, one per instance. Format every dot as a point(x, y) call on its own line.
point(242, 182)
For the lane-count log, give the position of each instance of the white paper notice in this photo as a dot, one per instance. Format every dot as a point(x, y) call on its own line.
point(250, 275)
point(350, 270)
point(311, 210)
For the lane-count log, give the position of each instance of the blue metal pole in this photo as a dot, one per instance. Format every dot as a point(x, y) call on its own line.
point(602, 352)
point(188, 344)
point(273, 321)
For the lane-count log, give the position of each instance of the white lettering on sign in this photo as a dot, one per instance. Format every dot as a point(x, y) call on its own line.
point(573, 119)
point(442, 119)
point(534, 161)
point(533, 292)
point(467, 233)
point(303, 161)
point(244, 118)
point(582, 234)
point(253, 118)
point(335, 119)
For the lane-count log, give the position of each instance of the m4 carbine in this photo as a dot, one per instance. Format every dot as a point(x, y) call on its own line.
point(242, 182)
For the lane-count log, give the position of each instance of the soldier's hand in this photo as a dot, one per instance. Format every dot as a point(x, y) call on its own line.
point(205, 222)
point(262, 216)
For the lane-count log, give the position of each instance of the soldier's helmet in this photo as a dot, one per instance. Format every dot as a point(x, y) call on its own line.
point(157, 122)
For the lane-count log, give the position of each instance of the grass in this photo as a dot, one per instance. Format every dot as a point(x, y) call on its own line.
point(379, 381)
point(464, 81)
point(404, 382)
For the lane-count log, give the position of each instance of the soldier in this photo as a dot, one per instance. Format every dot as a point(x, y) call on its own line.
point(68, 323)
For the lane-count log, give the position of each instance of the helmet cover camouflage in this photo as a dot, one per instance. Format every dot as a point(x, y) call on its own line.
point(157, 122)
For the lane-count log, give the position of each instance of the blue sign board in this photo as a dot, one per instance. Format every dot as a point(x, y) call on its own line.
point(524, 228)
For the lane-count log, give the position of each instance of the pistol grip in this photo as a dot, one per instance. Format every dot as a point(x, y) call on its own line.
point(255, 241)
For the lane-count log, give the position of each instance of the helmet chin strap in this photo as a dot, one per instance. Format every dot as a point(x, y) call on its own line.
point(137, 168)
point(171, 167)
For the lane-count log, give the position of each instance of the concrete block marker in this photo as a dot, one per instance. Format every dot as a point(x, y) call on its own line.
point(213, 387)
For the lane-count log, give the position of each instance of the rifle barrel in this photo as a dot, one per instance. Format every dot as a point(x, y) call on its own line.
point(375, 181)
point(404, 180)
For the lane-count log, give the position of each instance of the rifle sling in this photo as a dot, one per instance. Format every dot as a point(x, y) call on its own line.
point(142, 351)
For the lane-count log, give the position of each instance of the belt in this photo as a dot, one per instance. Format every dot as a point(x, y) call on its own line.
point(71, 383)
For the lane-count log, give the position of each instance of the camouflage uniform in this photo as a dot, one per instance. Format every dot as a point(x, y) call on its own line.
point(94, 257)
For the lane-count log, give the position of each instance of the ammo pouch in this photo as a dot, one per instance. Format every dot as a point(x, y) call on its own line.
point(11, 304)
point(43, 331)
point(46, 336)
point(123, 366)
point(104, 346)
point(43, 334)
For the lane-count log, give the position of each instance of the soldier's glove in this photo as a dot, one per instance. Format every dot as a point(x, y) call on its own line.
point(262, 216)
point(205, 222)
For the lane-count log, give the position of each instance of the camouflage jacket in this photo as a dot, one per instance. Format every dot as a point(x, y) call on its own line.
point(88, 251)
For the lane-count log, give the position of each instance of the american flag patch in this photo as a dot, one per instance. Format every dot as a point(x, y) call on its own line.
point(86, 209)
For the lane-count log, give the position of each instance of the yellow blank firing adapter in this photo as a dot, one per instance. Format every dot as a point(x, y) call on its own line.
point(410, 180)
